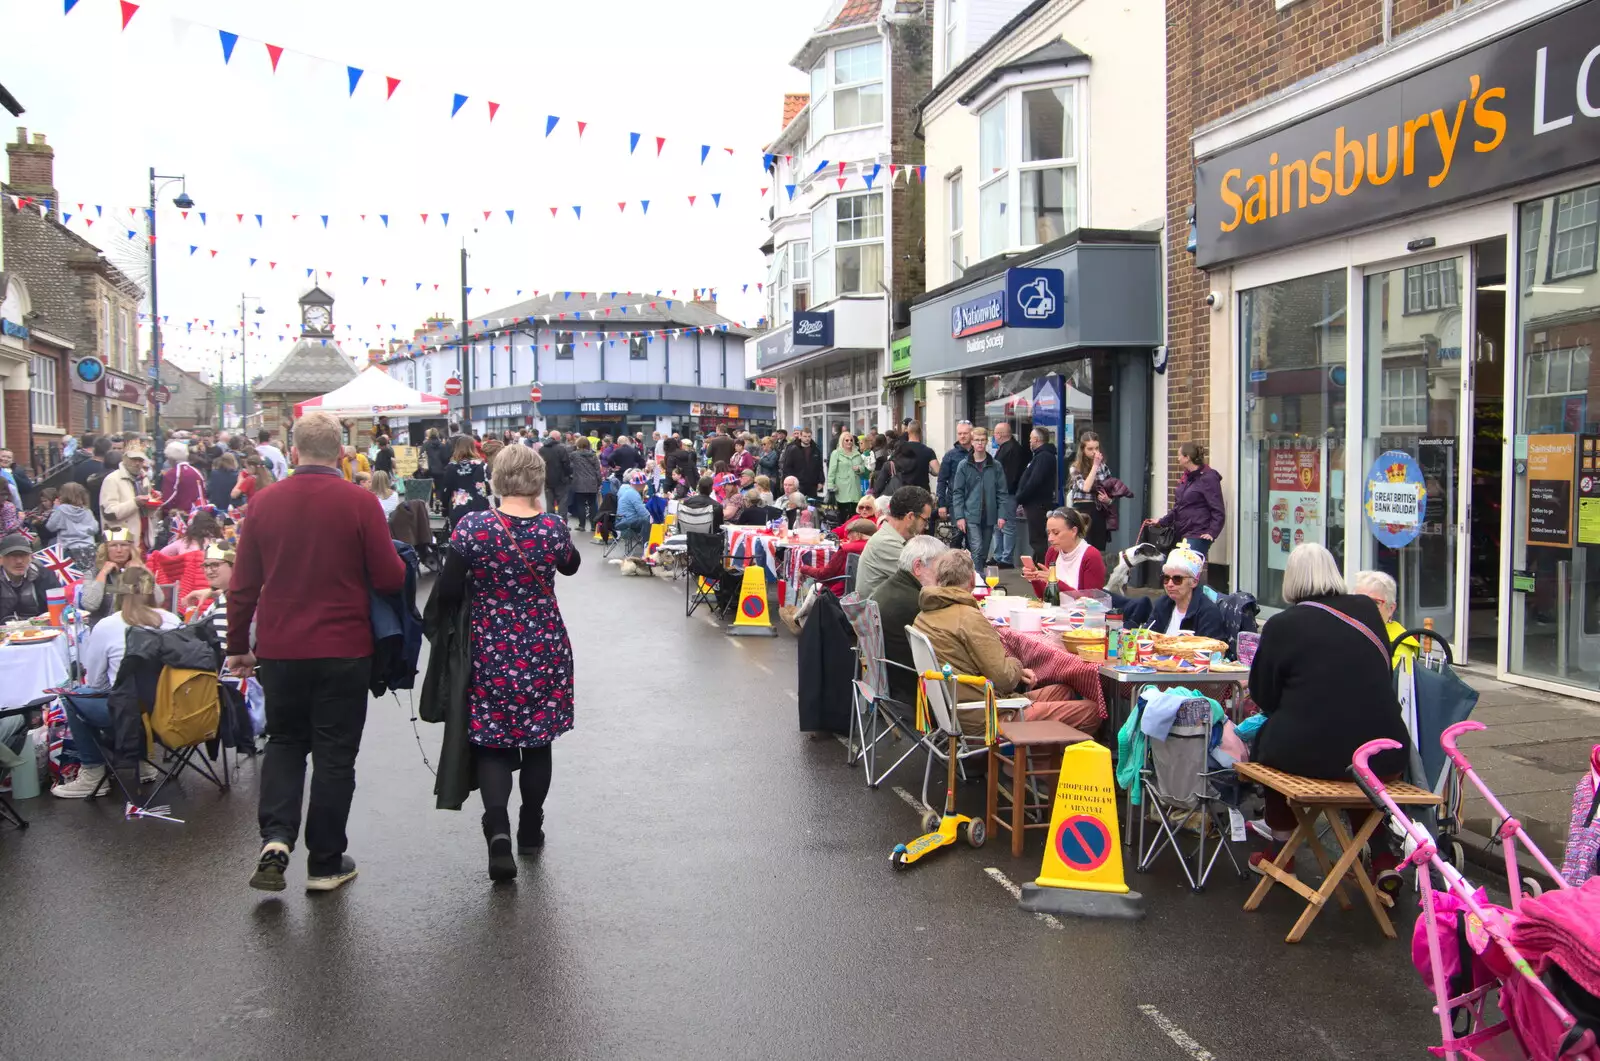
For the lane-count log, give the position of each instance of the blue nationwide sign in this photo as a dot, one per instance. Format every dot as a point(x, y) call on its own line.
point(978, 315)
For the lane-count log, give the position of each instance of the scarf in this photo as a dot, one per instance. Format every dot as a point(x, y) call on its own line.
point(1068, 566)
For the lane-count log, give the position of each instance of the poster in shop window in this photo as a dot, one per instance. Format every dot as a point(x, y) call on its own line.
point(1552, 460)
point(1589, 490)
point(1397, 498)
point(1294, 501)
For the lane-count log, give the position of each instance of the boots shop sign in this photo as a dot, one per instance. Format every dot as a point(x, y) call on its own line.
point(1522, 107)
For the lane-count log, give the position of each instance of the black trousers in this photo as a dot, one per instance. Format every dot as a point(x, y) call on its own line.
point(1038, 543)
point(585, 508)
point(316, 707)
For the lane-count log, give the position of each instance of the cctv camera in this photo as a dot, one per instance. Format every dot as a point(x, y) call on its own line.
point(1213, 300)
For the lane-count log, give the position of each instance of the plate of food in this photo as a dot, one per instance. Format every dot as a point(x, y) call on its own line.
point(1178, 665)
point(28, 637)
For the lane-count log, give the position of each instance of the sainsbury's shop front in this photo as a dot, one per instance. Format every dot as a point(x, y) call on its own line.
point(1404, 256)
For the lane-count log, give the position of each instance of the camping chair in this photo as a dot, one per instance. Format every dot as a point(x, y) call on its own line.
point(629, 540)
point(875, 714)
point(1188, 784)
point(415, 489)
point(946, 714)
point(8, 810)
point(707, 567)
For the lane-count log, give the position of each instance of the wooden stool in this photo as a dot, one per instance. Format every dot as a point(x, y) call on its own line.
point(1035, 752)
point(1311, 799)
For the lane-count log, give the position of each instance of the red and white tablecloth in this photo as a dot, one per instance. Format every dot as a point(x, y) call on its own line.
point(1051, 663)
point(782, 556)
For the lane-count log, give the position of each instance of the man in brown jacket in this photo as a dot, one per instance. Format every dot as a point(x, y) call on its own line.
point(963, 638)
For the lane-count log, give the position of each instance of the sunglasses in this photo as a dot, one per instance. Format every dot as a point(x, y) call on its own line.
point(1174, 580)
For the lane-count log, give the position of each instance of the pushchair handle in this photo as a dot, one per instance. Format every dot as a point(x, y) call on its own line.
point(1364, 777)
point(1432, 636)
point(1447, 741)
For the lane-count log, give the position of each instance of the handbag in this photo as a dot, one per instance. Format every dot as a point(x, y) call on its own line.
point(1163, 538)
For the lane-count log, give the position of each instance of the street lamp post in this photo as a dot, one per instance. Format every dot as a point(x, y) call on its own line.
point(182, 202)
point(244, 365)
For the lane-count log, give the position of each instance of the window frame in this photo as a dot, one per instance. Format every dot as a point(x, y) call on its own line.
point(43, 401)
point(1592, 195)
point(1014, 166)
point(1422, 273)
point(951, 23)
point(855, 221)
point(955, 224)
point(837, 88)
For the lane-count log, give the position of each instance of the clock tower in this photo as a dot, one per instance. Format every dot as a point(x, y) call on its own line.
point(316, 314)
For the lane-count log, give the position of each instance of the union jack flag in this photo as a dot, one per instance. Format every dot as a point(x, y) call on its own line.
point(56, 560)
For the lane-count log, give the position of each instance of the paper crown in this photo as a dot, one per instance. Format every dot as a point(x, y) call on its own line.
point(1395, 473)
point(217, 552)
point(119, 534)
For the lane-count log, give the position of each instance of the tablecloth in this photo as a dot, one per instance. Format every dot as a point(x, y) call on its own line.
point(1051, 663)
point(26, 671)
point(758, 545)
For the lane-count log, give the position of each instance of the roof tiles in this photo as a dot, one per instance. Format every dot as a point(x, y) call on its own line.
point(793, 104)
point(856, 13)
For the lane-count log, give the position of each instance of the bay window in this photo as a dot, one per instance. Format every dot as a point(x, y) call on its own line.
point(1043, 176)
point(847, 246)
point(821, 111)
point(800, 275)
point(858, 86)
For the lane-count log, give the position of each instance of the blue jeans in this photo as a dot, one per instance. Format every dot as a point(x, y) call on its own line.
point(87, 709)
point(978, 542)
point(1005, 543)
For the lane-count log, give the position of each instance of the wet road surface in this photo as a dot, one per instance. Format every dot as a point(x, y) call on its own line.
point(715, 885)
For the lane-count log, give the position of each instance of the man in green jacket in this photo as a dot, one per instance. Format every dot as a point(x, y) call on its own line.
point(979, 498)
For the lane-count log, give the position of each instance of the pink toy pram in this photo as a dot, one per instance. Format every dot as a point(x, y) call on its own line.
point(1536, 1026)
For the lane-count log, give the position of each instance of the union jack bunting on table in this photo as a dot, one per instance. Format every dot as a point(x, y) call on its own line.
point(55, 559)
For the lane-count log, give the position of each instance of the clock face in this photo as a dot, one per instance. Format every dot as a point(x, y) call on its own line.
point(317, 318)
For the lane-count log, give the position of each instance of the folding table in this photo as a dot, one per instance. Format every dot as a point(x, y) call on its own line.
point(1310, 799)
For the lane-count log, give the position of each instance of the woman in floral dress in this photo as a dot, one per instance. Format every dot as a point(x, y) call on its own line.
point(520, 697)
point(465, 485)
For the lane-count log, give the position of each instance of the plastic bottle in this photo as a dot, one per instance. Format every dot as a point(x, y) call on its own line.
point(1113, 635)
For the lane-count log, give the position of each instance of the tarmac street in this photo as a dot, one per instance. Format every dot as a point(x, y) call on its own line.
point(715, 885)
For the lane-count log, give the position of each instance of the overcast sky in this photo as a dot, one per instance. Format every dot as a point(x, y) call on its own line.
point(113, 102)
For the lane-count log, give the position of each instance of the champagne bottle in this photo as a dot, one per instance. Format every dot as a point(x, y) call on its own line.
point(1052, 588)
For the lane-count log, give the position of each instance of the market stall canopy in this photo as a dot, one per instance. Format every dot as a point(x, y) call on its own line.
point(374, 393)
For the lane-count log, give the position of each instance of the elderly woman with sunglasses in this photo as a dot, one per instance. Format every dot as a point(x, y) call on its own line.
point(1184, 605)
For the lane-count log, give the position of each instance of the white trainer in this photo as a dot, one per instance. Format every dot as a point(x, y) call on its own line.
point(148, 773)
point(89, 780)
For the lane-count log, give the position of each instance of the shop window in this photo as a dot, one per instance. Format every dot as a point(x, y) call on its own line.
point(638, 348)
point(42, 392)
point(1294, 349)
point(1576, 233)
point(858, 86)
point(853, 264)
point(1432, 286)
point(1554, 603)
point(952, 195)
point(131, 421)
point(564, 345)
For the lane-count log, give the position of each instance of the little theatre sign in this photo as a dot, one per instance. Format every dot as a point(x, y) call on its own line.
point(1522, 107)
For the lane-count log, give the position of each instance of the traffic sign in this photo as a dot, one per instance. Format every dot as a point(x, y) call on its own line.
point(452, 386)
point(161, 395)
point(536, 393)
point(1082, 869)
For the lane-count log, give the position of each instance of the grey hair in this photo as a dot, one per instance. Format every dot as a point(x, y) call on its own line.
point(953, 567)
point(882, 504)
point(1311, 572)
point(923, 547)
point(1378, 581)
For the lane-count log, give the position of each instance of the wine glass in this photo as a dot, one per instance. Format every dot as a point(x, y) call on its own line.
point(991, 575)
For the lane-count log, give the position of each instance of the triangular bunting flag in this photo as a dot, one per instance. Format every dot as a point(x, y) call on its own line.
point(691, 200)
point(456, 106)
point(324, 220)
point(128, 11)
point(274, 53)
point(577, 211)
point(385, 219)
point(424, 219)
point(252, 262)
point(446, 218)
point(228, 41)
point(644, 205)
point(354, 73)
point(363, 281)
point(213, 254)
point(550, 124)
point(870, 177)
point(633, 142)
point(820, 167)
point(841, 184)
point(258, 221)
point(621, 207)
point(494, 108)
point(581, 127)
point(553, 210)
point(511, 217)
point(69, 6)
point(394, 83)
point(705, 149)
point(309, 272)
point(202, 217)
point(660, 143)
point(790, 189)
point(192, 249)
point(271, 266)
point(716, 198)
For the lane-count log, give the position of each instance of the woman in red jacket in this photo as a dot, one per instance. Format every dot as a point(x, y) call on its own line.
point(855, 540)
point(1079, 565)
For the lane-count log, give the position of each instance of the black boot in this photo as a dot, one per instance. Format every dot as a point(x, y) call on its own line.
point(497, 830)
point(530, 830)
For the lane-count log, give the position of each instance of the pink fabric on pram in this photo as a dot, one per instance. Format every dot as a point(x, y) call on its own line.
point(1563, 927)
point(1447, 909)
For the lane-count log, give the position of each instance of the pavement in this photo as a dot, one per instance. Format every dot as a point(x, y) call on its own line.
point(715, 885)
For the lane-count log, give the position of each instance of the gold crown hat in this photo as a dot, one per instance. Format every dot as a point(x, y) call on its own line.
point(215, 551)
point(119, 534)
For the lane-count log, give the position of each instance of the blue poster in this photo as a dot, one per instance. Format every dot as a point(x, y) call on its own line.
point(1396, 499)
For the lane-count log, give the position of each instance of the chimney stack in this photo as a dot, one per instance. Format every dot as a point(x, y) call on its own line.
point(33, 167)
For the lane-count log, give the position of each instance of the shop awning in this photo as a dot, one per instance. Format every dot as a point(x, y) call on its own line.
point(374, 393)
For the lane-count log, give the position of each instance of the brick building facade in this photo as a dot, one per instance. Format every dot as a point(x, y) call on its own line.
point(76, 295)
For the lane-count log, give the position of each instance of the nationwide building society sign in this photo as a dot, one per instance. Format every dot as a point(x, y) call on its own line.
point(1031, 298)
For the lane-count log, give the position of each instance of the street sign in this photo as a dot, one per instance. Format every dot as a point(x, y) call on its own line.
point(452, 386)
point(89, 369)
point(161, 395)
point(152, 372)
point(535, 393)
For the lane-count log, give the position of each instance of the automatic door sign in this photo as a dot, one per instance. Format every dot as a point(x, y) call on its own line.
point(1083, 843)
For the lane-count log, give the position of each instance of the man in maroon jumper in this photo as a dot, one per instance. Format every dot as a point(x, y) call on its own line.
point(313, 548)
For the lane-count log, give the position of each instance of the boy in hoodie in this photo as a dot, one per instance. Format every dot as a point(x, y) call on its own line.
point(73, 525)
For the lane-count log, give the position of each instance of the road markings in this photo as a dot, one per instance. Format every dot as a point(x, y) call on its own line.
point(1184, 1040)
point(793, 695)
point(909, 800)
point(761, 666)
point(1016, 893)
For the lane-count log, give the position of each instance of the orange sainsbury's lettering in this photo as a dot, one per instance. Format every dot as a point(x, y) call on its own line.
point(1359, 157)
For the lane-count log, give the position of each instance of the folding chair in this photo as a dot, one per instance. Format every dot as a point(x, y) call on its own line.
point(1187, 786)
point(8, 810)
point(706, 568)
point(631, 542)
point(187, 755)
point(875, 714)
point(946, 713)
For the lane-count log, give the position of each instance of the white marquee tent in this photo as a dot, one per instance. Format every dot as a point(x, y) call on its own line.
point(374, 393)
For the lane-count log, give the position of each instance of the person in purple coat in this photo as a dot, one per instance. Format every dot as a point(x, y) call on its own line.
point(1197, 504)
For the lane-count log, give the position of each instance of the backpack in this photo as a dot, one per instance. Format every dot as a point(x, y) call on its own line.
point(187, 708)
